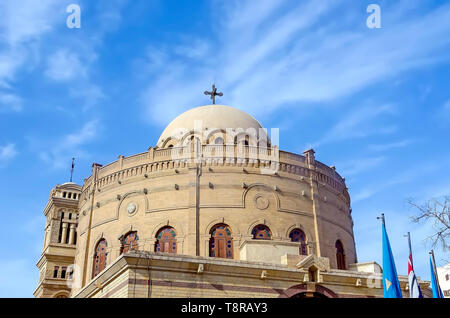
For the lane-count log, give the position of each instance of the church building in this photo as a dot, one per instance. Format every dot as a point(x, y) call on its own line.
point(213, 209)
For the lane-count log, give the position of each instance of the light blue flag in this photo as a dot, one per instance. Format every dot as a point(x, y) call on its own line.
point(437, 292)
point(391, 285)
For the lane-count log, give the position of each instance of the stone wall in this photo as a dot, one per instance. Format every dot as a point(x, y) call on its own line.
point(193, 196)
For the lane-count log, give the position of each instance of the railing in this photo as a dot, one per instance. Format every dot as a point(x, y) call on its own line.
point(157, 159)
point(135, 158)
point(113, 166)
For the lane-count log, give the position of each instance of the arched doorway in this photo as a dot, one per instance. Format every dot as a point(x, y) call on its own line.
point(308, 295)
point(302, 291)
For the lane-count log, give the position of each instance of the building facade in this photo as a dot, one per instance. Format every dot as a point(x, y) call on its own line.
point(444, 279)
point(215, 209)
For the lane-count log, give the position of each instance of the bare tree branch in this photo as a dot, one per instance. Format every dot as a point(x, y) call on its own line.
point(438, 214)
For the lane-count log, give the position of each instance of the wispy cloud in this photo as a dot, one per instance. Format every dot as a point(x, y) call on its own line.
point(27, 19)
point(21, 26)
point(10, 102)
point(370, 190)
point(68, 146)
point(436, 191)
point(64, 65)
point(403, 177)
point(389, 146)
point(26, 23)
point(7, 153)
point(439, 188)
point(288, 54)
point(356, 166)
point(359, 124)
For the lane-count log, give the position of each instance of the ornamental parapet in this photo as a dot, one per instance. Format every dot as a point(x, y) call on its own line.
point(269, 160)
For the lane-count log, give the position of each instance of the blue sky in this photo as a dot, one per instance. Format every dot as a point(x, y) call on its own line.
point(373, 102)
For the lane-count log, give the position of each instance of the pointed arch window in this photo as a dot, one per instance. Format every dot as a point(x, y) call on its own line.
point(299, 236)
point(340, 256)
point(100, 257)
point(221, 242)
point(261, 232)
point(130, 242)
point(166, 240)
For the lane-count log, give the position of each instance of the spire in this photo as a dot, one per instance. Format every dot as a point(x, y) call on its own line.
point(71, 170)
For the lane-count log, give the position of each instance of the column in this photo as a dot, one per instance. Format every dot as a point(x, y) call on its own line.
point(72, 233)
point(64, 233)
point(314, 187)
point(192, 246)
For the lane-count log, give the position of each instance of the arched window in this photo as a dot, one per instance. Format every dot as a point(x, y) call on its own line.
point(340, 256)
point(261, 232)
point(100, 257)
point(221, 242)
point(242, 140)
point(129, 242)
point(218, 141)
point(166, 241)
point(195, 145)
point(299, 236)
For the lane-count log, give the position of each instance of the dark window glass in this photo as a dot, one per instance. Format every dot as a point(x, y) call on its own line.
point(261, 232)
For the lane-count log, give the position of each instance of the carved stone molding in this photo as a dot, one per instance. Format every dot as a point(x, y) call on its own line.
point(320, 263)
point(261, 201)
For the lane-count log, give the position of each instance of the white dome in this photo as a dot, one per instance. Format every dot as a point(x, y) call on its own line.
point(211, 117)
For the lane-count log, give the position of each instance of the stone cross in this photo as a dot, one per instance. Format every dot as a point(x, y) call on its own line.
point(213, 93)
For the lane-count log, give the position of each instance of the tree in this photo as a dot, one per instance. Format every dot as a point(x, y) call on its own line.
point(436, 212)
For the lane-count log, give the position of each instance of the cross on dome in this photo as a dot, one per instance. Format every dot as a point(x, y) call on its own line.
point(214, 93)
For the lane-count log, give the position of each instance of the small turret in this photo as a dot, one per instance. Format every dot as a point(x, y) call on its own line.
point(58, 252)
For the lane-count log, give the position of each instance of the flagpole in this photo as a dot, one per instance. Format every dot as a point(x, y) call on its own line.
point(435, 273)
point(414, 286)
point(382, 218)
point(408, 235)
